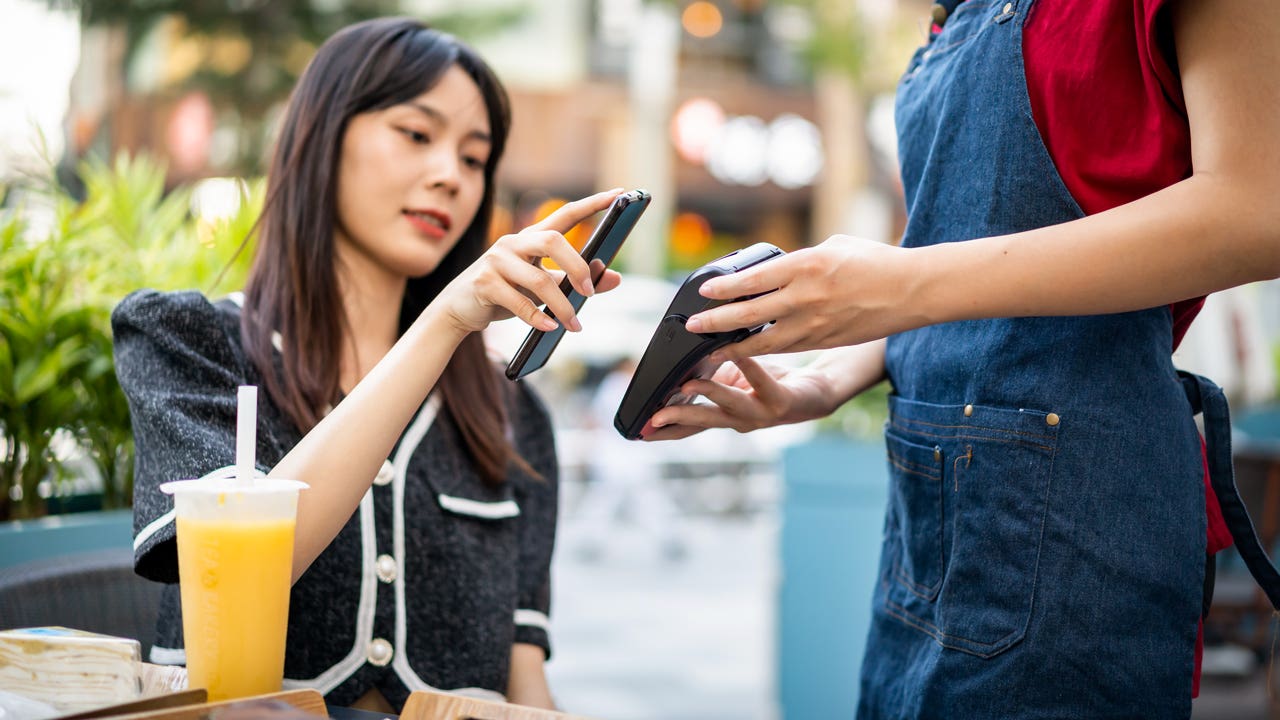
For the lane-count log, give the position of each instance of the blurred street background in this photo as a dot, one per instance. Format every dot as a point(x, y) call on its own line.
point(733, 579)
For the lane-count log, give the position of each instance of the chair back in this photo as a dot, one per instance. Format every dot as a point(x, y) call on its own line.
point(95, 591)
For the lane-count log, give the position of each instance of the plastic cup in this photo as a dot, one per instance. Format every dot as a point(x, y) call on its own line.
point(235, 562)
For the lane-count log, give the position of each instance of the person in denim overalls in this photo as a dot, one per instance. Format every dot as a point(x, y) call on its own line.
point(1044, 548)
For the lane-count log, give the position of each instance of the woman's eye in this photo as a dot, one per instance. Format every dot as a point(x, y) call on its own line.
point(474, 163)
point(415, 136)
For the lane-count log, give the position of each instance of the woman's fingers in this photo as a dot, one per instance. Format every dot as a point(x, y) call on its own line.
point(511, 276)
point(747, 313)
point(519, 257)
point(554, 245)
point(701, 415)
point(760, 279)
point(762, 381)
point(542, 285)
point(775, 339)
point(671, 432)
point(734, 401)
point(744, 397)
point(518, 304)
point(609, 280)
point(752, 394)
point(546, 239)
point(570, 214)
point(730, 409)
point(729, 374)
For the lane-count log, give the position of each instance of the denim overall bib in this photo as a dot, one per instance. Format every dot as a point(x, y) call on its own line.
point(1044, 552)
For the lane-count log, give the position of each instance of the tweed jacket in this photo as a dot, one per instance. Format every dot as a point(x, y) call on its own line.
point(432, 579)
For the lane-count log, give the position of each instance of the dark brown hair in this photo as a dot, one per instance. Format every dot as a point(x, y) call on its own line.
point(293, 285)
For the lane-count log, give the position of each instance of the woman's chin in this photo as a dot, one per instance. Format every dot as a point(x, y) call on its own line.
point(420, 270)
point(421, 262)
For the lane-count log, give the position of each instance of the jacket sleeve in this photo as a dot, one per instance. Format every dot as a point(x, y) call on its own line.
point(179, 373)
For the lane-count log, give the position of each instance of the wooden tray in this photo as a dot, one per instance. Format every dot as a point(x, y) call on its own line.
point(423, 705)
point(159, 702)
point(307, 700)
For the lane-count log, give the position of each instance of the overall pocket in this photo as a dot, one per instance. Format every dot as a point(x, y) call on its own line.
point(996, 467)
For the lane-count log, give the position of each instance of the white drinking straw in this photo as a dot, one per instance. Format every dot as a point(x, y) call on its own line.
point(246, 431)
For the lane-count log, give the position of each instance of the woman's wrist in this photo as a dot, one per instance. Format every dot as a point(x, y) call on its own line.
point(437, 326)
point(843, 373)
point(929, 285)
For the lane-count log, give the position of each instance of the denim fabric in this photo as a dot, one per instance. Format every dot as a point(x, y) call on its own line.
point(1045, 538)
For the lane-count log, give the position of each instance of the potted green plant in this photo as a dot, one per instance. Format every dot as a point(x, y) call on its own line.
point(62, 414)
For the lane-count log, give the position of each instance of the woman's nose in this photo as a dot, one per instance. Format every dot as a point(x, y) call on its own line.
point(444, 171)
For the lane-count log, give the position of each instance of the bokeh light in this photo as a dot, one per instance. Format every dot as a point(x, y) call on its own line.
point(739, 153)
point(690, 234)
point(694, 126)
point(702, 19)
point(218, 198)
point(795, 151)
point(189, 132)
point(228, 54)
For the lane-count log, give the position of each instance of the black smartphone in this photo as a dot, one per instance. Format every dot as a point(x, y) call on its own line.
point(600, 250)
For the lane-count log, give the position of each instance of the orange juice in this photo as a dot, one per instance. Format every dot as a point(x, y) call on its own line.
point(235, 602)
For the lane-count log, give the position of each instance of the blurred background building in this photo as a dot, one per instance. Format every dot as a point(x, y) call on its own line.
point(748, 120)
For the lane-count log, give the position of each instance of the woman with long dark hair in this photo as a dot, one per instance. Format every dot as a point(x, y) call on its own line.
point(423, 546)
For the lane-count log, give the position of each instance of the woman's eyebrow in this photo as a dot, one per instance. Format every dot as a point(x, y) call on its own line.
point(441, 119)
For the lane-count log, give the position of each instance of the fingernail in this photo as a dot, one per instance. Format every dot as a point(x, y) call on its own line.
point(549, 325)
point(575, 326)
point(707, 288)
point(693, 324)
point(590, 287)
point(716, 358)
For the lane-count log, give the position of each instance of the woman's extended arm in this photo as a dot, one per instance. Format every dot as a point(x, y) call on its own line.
point(1216, 229)
point(340, 456)
point(527, 684)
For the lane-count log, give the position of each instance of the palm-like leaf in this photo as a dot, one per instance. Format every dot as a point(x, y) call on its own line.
point(56, 296)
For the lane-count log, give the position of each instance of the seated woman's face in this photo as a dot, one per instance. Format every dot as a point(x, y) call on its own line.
point(411, 177)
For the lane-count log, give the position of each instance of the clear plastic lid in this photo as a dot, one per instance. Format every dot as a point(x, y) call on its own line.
point(219, 497)
point(220, 486)
point(224, 480)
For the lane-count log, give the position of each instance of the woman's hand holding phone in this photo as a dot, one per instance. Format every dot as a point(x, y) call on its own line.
point(509, 280)
point(600, 250)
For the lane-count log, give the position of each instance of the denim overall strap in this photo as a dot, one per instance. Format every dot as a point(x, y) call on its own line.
point(1207, 397)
